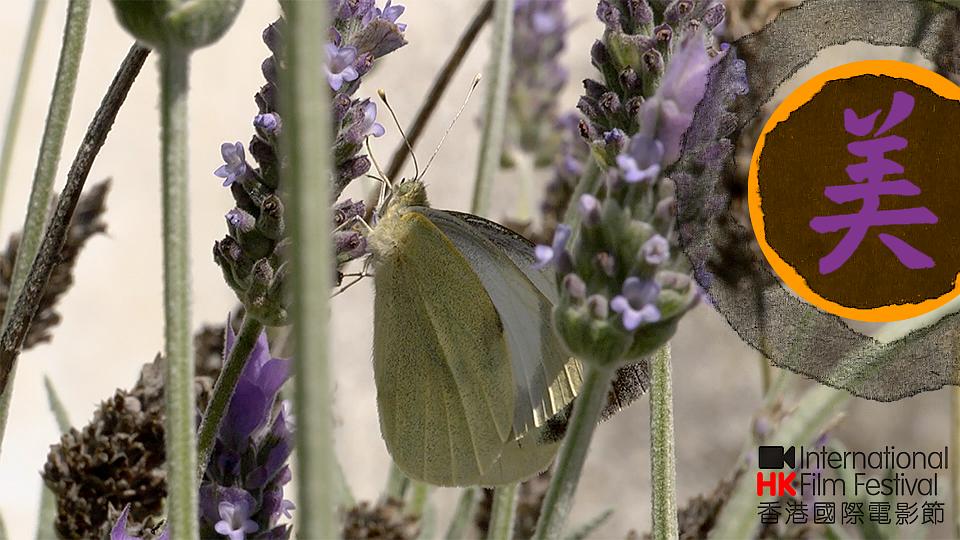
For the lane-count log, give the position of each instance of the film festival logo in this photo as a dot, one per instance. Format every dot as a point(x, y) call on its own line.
point(853, 191)
point(824, 486)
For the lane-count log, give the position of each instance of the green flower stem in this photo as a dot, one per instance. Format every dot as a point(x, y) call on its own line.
point(663, 462)
point(51, 146)
point(495, 106)
point(419, 493)
point(48, 501)
point(504, 512)
point(180, 401)
point(463, 514)
point(3, 529)
point(223, 390)
point(396, 483)
point(20, 93)
point(306, 131)
point(573, 452)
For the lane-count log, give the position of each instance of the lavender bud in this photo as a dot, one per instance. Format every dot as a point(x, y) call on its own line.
point(656, 250)
point(271, 223)
point(606, 263)
point(714, 15)
point(350, 245)
point(598, 307)
point(574, 286)
point(589, 207)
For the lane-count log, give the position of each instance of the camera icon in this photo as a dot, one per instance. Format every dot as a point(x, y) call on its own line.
point(776, 457)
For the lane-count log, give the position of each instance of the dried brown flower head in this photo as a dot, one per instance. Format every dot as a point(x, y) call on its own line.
point(385, 521)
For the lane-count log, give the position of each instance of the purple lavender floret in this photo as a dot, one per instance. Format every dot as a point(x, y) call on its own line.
point(241, 495)
point(339, 66)
point(236, 163)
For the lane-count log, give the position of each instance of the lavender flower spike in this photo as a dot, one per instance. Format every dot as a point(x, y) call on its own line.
point(339, 66)
point(236, 163)
point(635, 304)
point(241, 496)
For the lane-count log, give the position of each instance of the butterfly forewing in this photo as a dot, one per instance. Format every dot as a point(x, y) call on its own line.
point(444, 387)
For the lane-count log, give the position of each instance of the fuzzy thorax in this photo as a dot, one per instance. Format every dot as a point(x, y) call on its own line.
point(383, 238)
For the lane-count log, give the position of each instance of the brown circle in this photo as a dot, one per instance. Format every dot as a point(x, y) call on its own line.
point(808, 152)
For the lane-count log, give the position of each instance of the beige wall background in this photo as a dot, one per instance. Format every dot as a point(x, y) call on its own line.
point(112, 319)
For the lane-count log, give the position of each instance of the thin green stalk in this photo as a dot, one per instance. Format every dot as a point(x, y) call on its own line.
point(48, 502)
point(663, 461)
point(3, 529)
point(223, 390)
point(56, 406)
point(20, 93)
point(463, 515)
point(305, 102)
point(504, 512)
point(396, 482)
point(419, 494)
point(495, 106)
point(51, 146)
point(573, 452)
point(180, 402)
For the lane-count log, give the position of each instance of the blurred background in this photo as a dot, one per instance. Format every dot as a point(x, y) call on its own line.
point(112, 317)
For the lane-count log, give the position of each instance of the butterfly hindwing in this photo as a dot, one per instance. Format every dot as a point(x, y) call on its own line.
point(546, 379)
point(444, 387)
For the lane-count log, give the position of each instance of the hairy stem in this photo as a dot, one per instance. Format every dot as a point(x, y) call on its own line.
point(20, 93)
point(463, 513)
point(304, 105)
point(504, 512)
point(495, 106)
point(663, 466)
point(396, 483)
point(419, 493)
point(180, 400)
point(51, 146)
point(573, 453)
point(224, 388)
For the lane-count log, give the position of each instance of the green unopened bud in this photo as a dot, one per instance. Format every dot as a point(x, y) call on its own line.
point(182, 24)
point(590, 339)
point(271, 222)
point(264, 299)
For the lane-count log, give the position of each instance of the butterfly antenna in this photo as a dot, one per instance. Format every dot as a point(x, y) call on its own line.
point(383, 177)
point(476, 81)
point(406, 141)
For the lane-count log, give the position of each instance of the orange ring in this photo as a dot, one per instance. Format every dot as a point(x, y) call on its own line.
point(799, 97)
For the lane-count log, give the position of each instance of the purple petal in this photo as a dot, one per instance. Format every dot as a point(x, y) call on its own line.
point(119, 531)
point(632, 319)
point(544, 255)
point(222, 172)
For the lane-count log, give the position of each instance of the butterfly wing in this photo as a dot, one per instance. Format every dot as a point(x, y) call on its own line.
point(545, 378)
point(444, 387)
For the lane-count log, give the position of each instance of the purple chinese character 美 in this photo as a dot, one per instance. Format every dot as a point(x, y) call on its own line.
point(870, 185)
